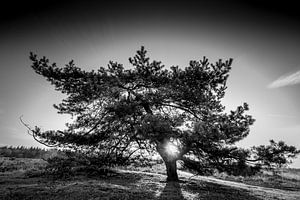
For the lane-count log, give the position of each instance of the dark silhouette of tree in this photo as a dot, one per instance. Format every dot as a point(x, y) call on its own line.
point(124, 113)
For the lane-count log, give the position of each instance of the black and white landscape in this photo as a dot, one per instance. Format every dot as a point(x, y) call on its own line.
point(149, 100)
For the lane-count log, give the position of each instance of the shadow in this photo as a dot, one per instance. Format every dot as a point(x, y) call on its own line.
point(124, 185)
point(110, 187)
point(172, 190)
point(214, 191)
point(123, 178)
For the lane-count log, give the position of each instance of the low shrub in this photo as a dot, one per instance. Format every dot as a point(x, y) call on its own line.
point(69, 164)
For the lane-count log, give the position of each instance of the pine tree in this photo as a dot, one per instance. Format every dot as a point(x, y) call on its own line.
point(124, 112)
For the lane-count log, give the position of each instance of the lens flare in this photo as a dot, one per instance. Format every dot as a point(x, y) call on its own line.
point(171, 149)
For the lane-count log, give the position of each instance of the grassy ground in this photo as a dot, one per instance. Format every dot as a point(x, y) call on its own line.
point(125, 184)
point(288, 179)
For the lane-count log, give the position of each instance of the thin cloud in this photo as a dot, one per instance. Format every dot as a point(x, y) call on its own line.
point(280, 116)
point(286, 80)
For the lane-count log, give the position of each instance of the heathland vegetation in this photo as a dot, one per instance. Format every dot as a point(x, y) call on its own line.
point(57, 176)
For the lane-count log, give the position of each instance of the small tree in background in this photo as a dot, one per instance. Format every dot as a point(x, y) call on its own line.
point(274, 156)
point(123, 113)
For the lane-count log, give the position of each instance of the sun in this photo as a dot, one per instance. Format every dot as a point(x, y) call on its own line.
point(171, 149)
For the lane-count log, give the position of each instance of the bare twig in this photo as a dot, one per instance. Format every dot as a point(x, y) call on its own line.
point(33, 134)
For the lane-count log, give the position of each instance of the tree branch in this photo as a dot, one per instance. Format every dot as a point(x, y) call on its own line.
point(33, 134)
point(181, 108)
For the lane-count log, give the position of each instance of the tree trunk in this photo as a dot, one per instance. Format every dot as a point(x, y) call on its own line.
point(169, 160)
point(170, 163)
point(171, 168)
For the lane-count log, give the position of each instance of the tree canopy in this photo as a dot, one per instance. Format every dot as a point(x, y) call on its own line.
point(127, 112)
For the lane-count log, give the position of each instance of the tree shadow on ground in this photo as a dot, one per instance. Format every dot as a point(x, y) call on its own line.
point(125, 186)
point(213, 191)
point(172, 190)
point(203, 190)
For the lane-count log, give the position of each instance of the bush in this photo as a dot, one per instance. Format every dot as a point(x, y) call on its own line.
point(60, 167)
point(69, 164)
point(196, 167)
point(244, 170)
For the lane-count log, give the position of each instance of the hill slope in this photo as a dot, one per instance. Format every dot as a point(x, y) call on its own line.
point(125, 185)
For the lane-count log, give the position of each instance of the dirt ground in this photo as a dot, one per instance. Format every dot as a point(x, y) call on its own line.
point(133, 185)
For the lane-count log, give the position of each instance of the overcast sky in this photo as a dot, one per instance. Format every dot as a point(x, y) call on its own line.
point(263, 40)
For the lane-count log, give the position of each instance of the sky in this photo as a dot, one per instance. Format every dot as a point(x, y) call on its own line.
point(262, 39)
